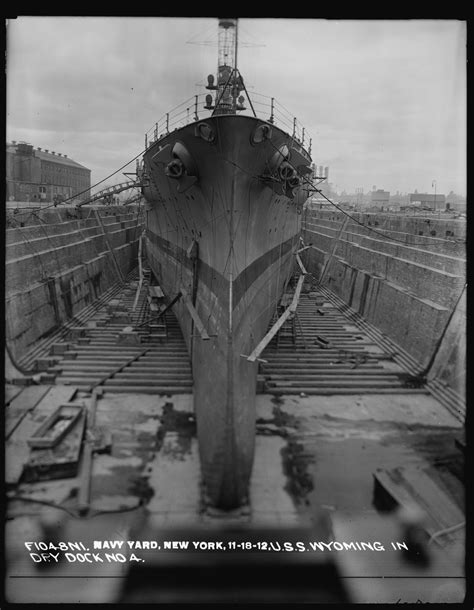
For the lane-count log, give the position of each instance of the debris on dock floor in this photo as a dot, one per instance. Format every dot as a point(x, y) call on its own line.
point(328, 421)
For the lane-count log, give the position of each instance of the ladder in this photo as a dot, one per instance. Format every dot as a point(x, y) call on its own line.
point(291, 326)
point(157, 326)
point(287, 330)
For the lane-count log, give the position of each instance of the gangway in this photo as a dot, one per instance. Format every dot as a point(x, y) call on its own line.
point(111, 190)
point(133, 199)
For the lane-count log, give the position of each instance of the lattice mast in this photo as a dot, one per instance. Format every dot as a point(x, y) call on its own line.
point(229, 81)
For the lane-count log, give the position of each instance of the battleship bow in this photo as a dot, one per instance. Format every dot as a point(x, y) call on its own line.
point(224, 197)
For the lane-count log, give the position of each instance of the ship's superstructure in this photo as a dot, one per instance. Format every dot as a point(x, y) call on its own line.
point(224, 197)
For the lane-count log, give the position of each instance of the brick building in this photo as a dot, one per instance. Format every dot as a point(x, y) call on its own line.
point(428, 201)
point(380, 198)
point(43, 176)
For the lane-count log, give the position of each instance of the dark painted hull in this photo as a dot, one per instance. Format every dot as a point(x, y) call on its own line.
point(245, 232)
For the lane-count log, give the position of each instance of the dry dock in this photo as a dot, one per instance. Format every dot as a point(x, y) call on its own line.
point(351, 429)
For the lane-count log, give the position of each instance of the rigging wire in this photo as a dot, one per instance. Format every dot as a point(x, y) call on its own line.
point(76, 195)
point(388, 237)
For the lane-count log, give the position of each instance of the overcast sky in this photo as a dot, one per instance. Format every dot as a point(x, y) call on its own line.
point(383, 100)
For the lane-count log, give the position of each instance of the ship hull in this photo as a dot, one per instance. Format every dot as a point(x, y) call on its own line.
point(227, 243)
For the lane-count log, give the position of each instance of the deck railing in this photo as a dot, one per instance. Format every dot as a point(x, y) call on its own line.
point(265, 107)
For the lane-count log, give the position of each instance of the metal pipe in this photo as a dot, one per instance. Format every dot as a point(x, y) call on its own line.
point(248, 96)
point(236, 44)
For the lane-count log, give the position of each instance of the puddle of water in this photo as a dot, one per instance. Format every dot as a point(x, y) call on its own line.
point(342, 472)
point(181, 426)
point(296, 462)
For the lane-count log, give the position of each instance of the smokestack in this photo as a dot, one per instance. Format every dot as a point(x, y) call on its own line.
point(320, 173)
point(326, 172)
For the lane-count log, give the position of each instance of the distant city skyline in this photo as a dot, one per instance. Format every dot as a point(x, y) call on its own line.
point(384, 101)
point(399, 192)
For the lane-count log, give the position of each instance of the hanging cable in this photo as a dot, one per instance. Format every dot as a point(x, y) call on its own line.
point(76, 195)
point(387, 237)
point(311, 184)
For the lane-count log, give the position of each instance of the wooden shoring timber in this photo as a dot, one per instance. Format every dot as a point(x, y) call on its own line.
point(84, 494)
point(333, 250)
point(140, 272)
point(194, 314)
point(300, 264)
point(162, 312)
point(279, 323)
point(111, 250)
point(304, 248)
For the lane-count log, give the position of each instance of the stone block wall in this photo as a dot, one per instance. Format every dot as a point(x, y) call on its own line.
point(56, 267)
point(406, 288)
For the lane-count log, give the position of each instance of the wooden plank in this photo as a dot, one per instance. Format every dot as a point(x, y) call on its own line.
point(56, 427)
point(140, 273)
point(107, 241)
point(17, 451)
point(333, 250)
point(57, 395)
point(155, 291)
point(26, 401)
point(162, 312)
point(300, 264)
point(297, 294)
point(11, 391)
point(84, 494)
point(279, 323)
point(194, 315)
point(61, 461)
point(444, 511)
point(400, 495)
point(414, 487)
point(269, 336)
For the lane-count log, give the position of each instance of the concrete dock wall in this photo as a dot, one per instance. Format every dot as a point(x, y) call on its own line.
point(448, 367)
point(58, 262)
point(408, 290)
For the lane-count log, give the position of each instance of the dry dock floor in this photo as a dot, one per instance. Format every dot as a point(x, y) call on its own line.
point(316, 454)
